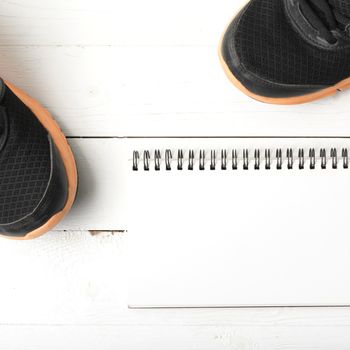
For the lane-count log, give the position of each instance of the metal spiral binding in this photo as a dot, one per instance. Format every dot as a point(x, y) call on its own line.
point(301, 159)
point(243, 159)
point(345, 155)
point(202, 160)
point(212, 160)
point(157, 159)
point(312, 156)
point(279, 159)
point(180, 159)
point(257, 159)
point(146, 160)
point(267, 159)
point(290, 158)
point(190, 160)
point(334, 158)
point(234, 159)
point(135, 161)
point(223, 159)
point(323, 156)
point(168, 158)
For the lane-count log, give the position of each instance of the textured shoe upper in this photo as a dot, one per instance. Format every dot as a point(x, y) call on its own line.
point(343, 6)
point(25, 161)
point(269, 45)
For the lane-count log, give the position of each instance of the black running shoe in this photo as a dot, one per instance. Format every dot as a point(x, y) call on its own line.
point(38, 177)
point(289, 51)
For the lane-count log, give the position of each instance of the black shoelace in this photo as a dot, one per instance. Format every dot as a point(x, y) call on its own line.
point(324, 18)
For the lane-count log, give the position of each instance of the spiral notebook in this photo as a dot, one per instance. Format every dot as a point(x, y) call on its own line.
point(239, 222)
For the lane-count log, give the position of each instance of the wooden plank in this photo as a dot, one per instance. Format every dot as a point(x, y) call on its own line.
point(76, 278)
point(62, 277)
point(118, 23)
point(127, 68)
point(100, 204)
point(109, 91)
point(174, 338)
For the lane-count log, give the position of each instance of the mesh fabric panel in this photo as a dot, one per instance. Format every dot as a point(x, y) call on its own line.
point(24, 162)
point(269, 47)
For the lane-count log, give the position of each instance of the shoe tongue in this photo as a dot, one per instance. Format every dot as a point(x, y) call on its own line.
point(341, 6)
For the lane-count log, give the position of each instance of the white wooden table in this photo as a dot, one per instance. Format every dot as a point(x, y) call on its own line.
point(111, 69)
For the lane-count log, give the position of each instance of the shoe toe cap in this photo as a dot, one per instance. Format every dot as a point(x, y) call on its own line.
point(252, 53)
point(39, 211)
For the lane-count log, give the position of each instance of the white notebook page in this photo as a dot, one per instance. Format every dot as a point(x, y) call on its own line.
point(239, 237)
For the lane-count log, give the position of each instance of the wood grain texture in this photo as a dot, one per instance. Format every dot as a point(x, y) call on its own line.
point(161, 91)
point(135, 68)
point(175, 338)
point(117, 23)
point(75, 277)
point(100, 203)
point(69, 289)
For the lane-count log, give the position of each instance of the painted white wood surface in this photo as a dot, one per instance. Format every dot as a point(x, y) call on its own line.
point(134, 68)
point(100, 203)
point(177, 338)
point(69, 290)
point(117, 23)
point(143, 68)
point(157, 91)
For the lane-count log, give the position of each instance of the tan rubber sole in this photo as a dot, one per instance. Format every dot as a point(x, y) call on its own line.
point(65, 152)
point(330, 91)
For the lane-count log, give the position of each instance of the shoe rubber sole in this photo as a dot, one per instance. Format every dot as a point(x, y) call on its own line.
point(66, 154)
point(330, 91)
